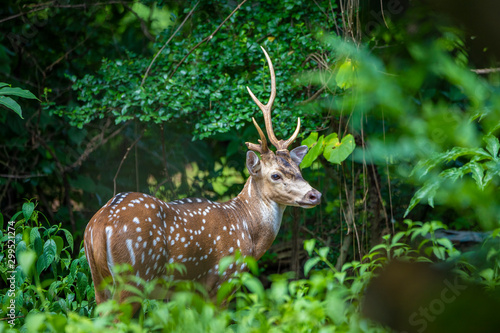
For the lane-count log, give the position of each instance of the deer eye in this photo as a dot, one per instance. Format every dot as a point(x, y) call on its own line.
point(275, 176)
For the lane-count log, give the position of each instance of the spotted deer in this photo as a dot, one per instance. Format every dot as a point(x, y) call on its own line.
point(148, 233)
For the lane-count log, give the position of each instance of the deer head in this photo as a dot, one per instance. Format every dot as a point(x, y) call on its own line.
point(278, 174)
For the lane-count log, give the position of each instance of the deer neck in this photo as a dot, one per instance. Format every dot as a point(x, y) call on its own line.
point(263, 215)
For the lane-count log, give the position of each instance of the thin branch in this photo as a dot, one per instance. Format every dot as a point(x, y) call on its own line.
point(92, 145)
point(206, 39)
point(168, 41)
point(50, 5)
point(123, 160)
point(49, 68)
point(382, 10)
point(21, 176)
point(485, 70)
point(144, 27)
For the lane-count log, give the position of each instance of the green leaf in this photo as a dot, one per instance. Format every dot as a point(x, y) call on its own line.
point(52, 292)
point(345, 75)
point(28, 208)
point(313, 154)
point(340, 276)
point(254, 285)
point(310, 264)
point(445, 242)
point(81, 284)
point(225, 290)
point(309, 246)
point(249, 261)
point(492, 145)
point(477, 173)
point(310, 140)
point(487, 274)
point(427, 191)
point(337, 152)
point(17, 92)
point(26, 260)
point(323, 252)
point(48, 256)
point(11, 104)
point(69, 238)
point(224, 264)
point(59, 242)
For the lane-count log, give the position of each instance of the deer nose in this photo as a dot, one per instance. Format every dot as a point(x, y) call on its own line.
point(313, 197)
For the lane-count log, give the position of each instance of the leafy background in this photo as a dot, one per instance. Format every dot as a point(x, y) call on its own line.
point(399, 108)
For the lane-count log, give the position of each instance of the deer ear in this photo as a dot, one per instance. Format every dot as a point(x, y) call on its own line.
point(253, 163)
point(298, 154)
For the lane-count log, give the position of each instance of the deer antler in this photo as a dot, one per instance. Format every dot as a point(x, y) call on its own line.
point(266, 110)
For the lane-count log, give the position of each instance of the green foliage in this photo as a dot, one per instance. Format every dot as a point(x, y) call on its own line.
point(328, 300)
point(47, 277)
point(334, 150)
point(483, 165)
point(436, 118)
point(209, 90)
point(6, 90)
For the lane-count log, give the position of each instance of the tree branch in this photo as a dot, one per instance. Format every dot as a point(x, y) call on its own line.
point(168, 41)
point(206, 39)
point(123, 160)
point(51, 5)
point(93, 145)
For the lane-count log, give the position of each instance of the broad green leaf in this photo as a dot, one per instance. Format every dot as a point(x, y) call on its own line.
point(52, 292)
point(73, 268)
point(457, 152)
point(249, 261)
point(397, 237)
point(48, 256)
point(439, 252)
point(337, 152)
point(11, 104)
point(36, 241)
point(59, 242)
point(224, 264)
point(492, 145)
point(487, 274)
point(379, 246)
point(445, 242)
point(254, 285)
point(81, 284)
point(225, 290)
point(310, 264)
point(340, 276)
point(331, 138)
point(313, 154)
point(345, 75)
point(28, 208)
point(309, 246)
point(26, 261)
point(310, 140)
point(424, 166)
point(17, 92)
point(477, 173)
point(323, 252)
point(69, 238)
point(427, 191)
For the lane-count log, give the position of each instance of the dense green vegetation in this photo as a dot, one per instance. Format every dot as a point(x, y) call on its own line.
point(102, 97)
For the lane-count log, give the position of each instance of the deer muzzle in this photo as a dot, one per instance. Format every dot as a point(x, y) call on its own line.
point(311, 198)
